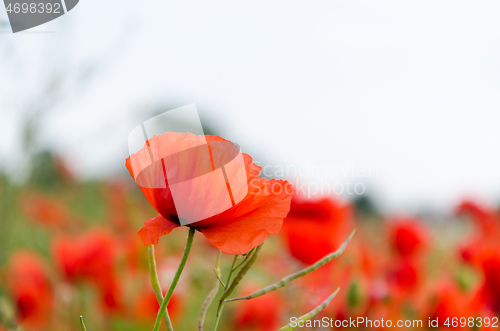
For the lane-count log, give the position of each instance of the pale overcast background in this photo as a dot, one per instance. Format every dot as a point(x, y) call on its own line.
point(410, 88)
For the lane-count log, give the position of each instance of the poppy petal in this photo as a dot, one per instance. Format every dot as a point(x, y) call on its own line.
point(154, 228)
point(268, 208)
point(258, 205)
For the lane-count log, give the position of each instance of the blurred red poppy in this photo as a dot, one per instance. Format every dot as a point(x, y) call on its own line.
point(408, 236)
point(44, 210)
point(259, 314)
point(448, 303)
point(29, 284)
point(235, 230)
point(489, 260)
point(146, 306)
point(405, 275)
point(91, 257)
point(486, 220)
point(314, 229)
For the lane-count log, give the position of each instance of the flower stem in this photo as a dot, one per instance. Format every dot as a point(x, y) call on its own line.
point(235, 283)
point(217, 275)
point(82, 324)
point(298, 274)
point(246, 258)
point(211, 296)
point(155, 283)
point(312, 313)
point(177, 275)
point(231, 271)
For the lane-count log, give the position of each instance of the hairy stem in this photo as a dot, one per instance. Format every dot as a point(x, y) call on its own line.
point(177, 275)
point(155, 283)
point(298, 274)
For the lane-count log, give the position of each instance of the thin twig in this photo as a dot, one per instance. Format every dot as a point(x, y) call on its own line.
point(298, 274)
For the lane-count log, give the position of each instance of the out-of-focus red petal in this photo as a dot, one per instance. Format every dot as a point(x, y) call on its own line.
point(408, 236)
point(28, 282)
point(154, 228)
point(315, 228)
point(262, 313)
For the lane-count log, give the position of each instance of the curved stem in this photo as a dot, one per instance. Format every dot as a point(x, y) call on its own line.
point(217, 275)
point(155, 283)
point(245, 260)
point(298, 274)
point(177, 275)
point(231, 272)
point(312, 313)
point(241, 273)
point(233, 285)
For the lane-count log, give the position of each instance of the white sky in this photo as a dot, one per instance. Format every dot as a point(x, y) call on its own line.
point(409, 87)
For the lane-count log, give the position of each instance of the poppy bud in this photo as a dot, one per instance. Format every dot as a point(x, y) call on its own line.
point(355, 295)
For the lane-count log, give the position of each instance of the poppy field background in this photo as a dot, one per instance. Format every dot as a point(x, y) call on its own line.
point(70, 248)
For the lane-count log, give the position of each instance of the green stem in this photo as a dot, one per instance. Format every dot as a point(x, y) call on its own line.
point(231, 271)
point(155, 283)
point(211, 296)
point(246, 258)
point(218, 315)
point(235, 283)
point(177, 275)
point(82, 324)
point(310, 314)
point(298, 274)
point(217, 275)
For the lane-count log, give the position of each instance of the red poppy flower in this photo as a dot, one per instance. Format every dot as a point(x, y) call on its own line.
point(448, 302)
point(262, 313)
point(405, 275)
point(146, 306)
point(489, 260)
point(314, 229)
point(486, 220)
point(234, 229)
point(91, 257)
point(43, 210)
point(408, 237)
point(29, 285)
